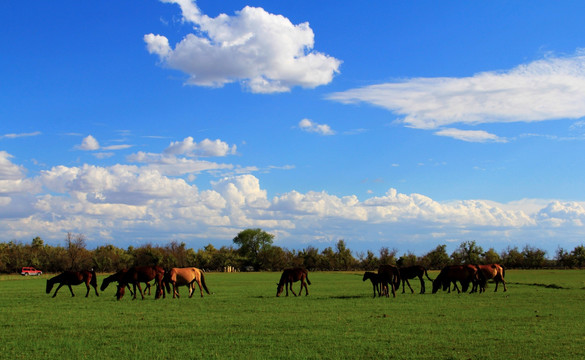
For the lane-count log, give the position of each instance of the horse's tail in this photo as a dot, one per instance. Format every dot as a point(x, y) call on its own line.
point(203, 283)
point(307, 277)
point(427, 274)
point(503, 271)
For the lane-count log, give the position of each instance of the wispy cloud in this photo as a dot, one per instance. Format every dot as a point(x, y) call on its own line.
point(90, 143)
point(265, 52)
point(470, 135)
point(548, 89)
point(14, 136)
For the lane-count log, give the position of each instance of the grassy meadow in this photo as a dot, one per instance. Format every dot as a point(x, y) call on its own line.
point(541, 316)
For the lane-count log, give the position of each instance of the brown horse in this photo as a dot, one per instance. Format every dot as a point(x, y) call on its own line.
point(375, 279)
point(491, 271)
point(138, 274)
point(389, 275)
point(73, 278)
point(410, 272)
point(118, 277)
point(465, 274)
point(185, 276)
point(288, 277)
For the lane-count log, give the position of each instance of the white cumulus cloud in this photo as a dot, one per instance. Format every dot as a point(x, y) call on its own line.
point(310, 126)
point(265, 52)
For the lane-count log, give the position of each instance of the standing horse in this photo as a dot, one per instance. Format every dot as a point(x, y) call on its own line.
point(138, 274)
point(375, 279)
point(389, 275)
point(288, 277)
point(185, 276)
point(465, 274)
point(73, 278)
point(118, 277)
point(491, 271)
point(410, 272)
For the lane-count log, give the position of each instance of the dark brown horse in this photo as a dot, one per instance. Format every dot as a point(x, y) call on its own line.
point(185, 276)
point(375, 279)
point(73, 278)
point(288, 277)
point(491, 271)
point(117, 277)
point(465, 274)
point(389, 276)
point(138, 274)
point(411, 272)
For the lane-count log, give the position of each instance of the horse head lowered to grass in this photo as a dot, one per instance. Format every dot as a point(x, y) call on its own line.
point(288, 277)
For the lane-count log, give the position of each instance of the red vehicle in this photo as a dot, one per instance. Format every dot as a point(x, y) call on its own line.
point(27, 270)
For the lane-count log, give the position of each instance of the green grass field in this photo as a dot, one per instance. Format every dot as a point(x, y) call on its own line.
point(540, 317)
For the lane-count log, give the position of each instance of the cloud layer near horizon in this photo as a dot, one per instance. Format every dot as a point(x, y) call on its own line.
point(265, 52)
point(110, 204)
point(548, 89)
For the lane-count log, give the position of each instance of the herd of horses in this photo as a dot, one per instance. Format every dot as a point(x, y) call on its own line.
point(388, 278)
point(134, 276)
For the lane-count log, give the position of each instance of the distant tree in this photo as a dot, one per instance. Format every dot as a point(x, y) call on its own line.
point(533, 258)
point(251, 242)
point(578, 254)
point(407, 260)
point(512, 258)
point(79, 256)
point(437, 258)
point(387, 256)
point(344, 259)
point(311, 258)
point(328, 259)
point(468, 252)
point(491, 257)
point(369, 262)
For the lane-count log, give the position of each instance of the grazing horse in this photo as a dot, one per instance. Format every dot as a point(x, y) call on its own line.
point(389, 274)
point(288, 277)
point(410, 272)
point(73, 278)
point(138, 274)
point(491, 271)
point(118, 277)
point(185, 276)
point(375, 279)
point(465, 274)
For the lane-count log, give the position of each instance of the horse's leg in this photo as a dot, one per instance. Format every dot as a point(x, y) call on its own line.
point(422, 284)
point(375, 286)
point(291, 288)
point(200, 288)
point(306, 288)
point(403, 281)
point(58, 287)
point(88, 288)
point(410, 287)
point(71, 289)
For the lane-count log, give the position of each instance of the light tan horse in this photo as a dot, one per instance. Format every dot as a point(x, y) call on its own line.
point(492, 271)
point(185, 277)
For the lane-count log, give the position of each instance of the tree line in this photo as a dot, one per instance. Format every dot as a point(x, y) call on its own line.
point(253, 250)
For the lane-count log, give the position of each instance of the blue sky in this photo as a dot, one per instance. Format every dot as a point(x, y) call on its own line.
point(394, 124)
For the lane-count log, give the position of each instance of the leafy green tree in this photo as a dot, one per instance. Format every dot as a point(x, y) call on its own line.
point(437, 258)
point(578, 255)
point(251, 242)
point(467, 253)
point(533, 258)
point(387, 256)
point(512, 258)
point(344, 259)
point(370, 262)
point(407, 260)
point(491, 257)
